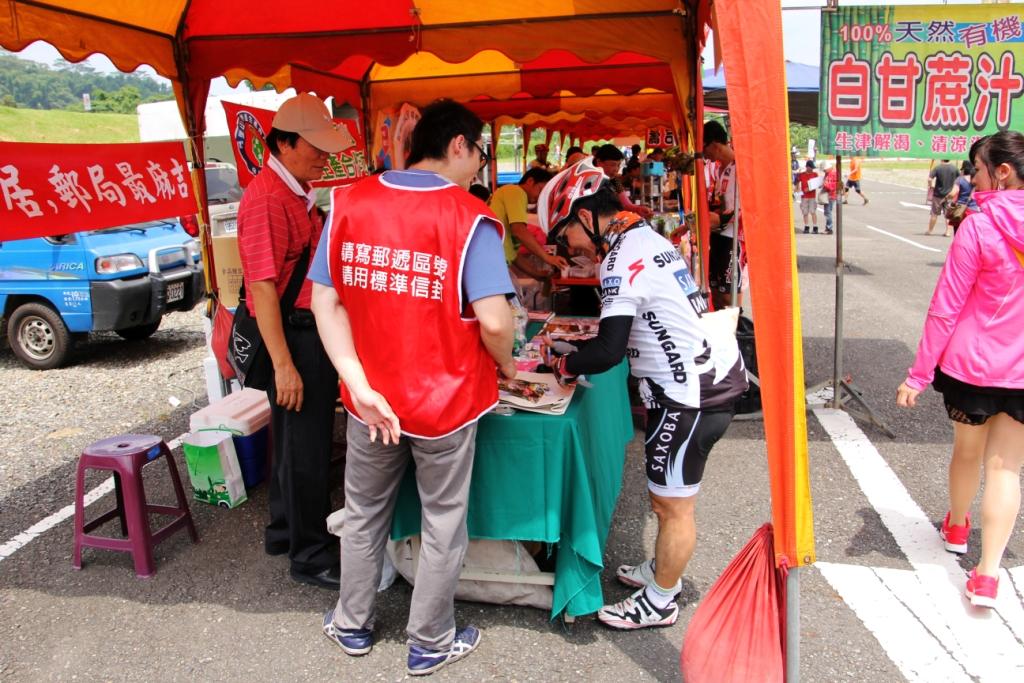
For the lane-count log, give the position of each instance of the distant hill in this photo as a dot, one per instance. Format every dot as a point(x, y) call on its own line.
point(30, 125)
point(29, 85)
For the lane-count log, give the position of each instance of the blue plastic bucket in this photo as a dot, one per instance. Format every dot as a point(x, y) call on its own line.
point(252, 456)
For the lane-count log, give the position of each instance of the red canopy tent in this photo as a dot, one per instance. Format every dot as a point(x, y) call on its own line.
point(547, 43)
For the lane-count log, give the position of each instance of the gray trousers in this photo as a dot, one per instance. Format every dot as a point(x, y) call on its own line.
point(372, 475)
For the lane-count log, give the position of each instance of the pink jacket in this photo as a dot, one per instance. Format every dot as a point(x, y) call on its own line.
point(975, 325)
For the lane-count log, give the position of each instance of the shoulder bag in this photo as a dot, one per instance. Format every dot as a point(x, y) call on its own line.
point(247, 353)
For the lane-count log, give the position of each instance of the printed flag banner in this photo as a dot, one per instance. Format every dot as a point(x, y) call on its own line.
point(661, 137)
point(56, 189)
point(249, 127)
point(921, 80)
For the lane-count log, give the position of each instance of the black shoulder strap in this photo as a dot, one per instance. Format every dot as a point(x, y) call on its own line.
point(295, 283)
point(291, 293)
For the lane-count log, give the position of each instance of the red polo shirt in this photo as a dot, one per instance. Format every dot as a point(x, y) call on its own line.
point(274, 227)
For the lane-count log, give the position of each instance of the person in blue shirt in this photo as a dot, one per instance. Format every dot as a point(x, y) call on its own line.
point(962, 201)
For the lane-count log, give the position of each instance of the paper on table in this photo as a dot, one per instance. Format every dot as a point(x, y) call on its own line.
point(554, 401)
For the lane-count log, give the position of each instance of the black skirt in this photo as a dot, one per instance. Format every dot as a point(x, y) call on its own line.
point(973, 405)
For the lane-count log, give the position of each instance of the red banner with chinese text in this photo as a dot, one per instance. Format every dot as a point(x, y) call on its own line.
point(661, 137)
point(55, 189)
point(919, 81)
point(249, 127)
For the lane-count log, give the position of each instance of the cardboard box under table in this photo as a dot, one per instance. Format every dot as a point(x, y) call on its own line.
point(548, 478)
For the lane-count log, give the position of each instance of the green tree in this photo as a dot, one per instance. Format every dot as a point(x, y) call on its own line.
point(799, 134)
point(40, 87)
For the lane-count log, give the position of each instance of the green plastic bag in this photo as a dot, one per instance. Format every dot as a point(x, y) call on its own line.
point(213, 467)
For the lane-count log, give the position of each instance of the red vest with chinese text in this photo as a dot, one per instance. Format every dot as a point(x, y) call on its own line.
point(396, 256)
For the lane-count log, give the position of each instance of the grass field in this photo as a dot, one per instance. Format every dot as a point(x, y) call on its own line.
point(55, 125)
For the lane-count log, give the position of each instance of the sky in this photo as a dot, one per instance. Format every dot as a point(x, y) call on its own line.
point(800, 26)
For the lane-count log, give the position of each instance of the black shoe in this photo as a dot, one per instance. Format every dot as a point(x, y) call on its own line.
point(324, 578)
point(815, 231)
point(806, 230)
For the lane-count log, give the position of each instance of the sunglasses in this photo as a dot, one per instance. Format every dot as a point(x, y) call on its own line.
point(485, 158)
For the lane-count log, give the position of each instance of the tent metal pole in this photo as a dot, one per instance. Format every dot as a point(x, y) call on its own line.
point(735, 285)
point(793, 626)
point(844, 392)
point(837, 358)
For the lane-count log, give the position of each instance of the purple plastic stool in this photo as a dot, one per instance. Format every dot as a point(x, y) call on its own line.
point(125, 456)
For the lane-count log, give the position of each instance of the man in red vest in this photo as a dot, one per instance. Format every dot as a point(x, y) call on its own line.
point(410, 300)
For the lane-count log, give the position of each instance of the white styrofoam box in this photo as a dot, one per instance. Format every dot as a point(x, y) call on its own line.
point(246, 411)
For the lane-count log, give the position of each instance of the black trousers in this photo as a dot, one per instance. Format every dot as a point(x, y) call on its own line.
point(300, 497)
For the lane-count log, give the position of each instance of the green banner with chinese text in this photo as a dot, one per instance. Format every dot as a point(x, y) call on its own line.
point(919, 81)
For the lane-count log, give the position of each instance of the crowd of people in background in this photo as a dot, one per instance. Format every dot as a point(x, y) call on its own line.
point(816, 184)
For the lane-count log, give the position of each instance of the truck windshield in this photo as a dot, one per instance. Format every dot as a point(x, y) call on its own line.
point(134, 227)
point(222, 185)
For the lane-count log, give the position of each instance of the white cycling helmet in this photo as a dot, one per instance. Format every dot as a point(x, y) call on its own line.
point(555, 204)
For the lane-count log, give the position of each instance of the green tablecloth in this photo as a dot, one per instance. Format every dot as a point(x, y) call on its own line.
point(550, 478)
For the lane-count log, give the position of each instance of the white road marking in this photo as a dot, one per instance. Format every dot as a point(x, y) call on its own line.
point(907, 642)
point(985, 643)
point(39, 528)
point(916, 206)
point(903, 239)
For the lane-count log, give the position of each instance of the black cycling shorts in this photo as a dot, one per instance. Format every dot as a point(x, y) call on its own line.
point(677, 446)
point(720, 264)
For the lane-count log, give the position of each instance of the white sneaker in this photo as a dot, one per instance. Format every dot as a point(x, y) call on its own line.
point(636, 611)
point(640, 575)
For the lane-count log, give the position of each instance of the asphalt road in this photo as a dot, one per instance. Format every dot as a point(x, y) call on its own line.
point(222, 610)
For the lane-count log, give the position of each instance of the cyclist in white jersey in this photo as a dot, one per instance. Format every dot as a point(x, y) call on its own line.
point(690, 376)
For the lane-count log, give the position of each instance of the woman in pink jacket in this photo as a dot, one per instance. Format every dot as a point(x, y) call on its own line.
point(972, 351)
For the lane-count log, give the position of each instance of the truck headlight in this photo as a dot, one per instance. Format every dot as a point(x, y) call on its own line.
point(118, 263)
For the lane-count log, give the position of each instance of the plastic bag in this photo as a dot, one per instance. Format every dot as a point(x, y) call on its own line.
point(220, 338)
point(736, 634)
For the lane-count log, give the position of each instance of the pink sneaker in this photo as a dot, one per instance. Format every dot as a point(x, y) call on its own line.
point(955, 536)
point(982, 589)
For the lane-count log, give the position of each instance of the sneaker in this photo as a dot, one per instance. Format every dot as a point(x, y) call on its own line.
point(355, 642)
point(828, 231)
point(955, 537)
point(423, 661)
point(636, 611)
point(982, 589)
point(815, 230)
point(640, 575)
point(865, 201)
point(806, 230)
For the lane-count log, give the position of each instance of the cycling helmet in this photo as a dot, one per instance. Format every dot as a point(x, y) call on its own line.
point(556, 201)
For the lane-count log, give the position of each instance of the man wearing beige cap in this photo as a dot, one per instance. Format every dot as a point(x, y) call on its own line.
point(542, 158)
point(279, 227)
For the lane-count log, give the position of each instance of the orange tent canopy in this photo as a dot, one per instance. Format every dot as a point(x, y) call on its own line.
point(489, 73)
point(194, 41)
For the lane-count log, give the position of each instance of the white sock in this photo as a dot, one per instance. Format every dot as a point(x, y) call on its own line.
point(658, 596)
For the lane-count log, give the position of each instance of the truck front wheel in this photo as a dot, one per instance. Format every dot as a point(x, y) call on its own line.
point(38, 336)
point(139, 332)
